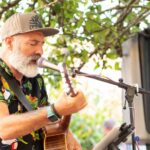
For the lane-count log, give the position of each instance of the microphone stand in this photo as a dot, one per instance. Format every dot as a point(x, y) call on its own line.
point(129, 94)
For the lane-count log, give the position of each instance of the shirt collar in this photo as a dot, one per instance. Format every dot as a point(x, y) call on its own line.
point(6, 68)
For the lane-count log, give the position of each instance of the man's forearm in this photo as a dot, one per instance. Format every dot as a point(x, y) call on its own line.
point(13, 126)
point(16, 125)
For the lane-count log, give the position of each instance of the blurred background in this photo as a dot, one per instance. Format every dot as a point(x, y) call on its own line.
point(91, 38)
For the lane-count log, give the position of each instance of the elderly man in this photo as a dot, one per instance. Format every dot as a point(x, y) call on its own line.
point(22, 41)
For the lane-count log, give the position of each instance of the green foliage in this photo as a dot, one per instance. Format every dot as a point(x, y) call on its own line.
point(88, 32)
point(89, 128)
point(84, 20)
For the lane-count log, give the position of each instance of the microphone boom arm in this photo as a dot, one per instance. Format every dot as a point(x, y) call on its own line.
point(119, 84)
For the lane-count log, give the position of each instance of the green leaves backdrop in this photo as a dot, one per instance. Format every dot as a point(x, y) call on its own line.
point(88, 32)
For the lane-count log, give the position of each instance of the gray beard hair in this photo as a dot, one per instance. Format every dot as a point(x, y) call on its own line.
point(21, 63)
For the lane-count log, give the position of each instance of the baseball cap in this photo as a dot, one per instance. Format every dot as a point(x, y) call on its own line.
point(23, 23)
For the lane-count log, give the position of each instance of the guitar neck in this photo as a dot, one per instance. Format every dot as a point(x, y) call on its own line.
point(59, 127)
point(56, 132)
point(64, 123)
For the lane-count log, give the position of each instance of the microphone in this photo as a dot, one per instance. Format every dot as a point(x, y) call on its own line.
point(42, 62)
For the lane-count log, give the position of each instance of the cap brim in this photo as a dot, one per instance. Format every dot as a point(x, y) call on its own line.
point(47, 31)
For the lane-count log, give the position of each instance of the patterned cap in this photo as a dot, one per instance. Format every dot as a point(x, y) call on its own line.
point(23, 23)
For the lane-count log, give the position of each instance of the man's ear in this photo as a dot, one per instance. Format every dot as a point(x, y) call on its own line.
point(9, 42)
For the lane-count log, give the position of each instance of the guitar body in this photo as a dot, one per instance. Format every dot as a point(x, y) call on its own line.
point(56, 135)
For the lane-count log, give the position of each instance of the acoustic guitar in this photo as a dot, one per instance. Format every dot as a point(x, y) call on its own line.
point(56, 134)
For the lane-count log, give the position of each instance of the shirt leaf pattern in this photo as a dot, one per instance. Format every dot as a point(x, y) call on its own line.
point(28, 87)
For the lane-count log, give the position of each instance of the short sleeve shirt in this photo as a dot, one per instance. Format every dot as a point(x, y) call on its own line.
point(35, 93)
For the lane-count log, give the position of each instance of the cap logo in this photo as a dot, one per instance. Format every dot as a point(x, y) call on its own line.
point(35, 22)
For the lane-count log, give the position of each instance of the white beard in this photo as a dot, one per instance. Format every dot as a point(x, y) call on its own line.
point(23, 63)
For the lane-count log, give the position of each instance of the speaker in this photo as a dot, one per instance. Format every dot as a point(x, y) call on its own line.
point(136, 70)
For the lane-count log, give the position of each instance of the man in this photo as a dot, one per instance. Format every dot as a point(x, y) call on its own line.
point(22, 40)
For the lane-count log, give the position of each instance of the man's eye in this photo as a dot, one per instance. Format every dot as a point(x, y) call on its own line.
point(33, 44)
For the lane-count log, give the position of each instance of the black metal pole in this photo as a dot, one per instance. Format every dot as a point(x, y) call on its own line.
point(130, 92)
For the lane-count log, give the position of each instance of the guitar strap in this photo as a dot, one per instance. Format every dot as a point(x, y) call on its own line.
point(15, 87)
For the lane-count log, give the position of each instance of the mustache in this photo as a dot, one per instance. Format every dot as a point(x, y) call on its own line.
point(34, 57)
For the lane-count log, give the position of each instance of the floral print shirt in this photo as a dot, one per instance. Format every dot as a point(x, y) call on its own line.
point(35, 92)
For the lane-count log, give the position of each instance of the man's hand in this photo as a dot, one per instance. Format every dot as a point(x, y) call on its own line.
point(67, 105)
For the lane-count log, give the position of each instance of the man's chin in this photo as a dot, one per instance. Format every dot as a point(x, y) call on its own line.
point(29, 75)
point(29, 72)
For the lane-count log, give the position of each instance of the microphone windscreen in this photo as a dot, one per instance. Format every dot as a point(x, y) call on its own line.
point(42, 62)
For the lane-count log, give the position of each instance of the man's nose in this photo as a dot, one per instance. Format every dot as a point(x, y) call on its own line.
point(39, 50)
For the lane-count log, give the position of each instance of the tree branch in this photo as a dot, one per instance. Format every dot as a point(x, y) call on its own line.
point(8, 6)
point(135, 21)
point(126, 12)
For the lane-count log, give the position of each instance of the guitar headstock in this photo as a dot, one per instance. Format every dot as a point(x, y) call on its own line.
point(66, 80)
